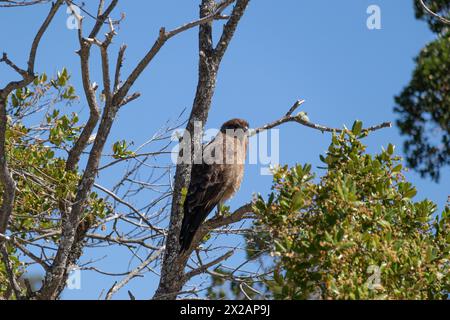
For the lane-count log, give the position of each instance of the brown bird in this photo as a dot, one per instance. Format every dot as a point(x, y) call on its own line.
point(216, 179)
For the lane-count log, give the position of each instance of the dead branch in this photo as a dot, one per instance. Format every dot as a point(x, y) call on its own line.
point(434, 14)
point(117, 286)
point(301, 119)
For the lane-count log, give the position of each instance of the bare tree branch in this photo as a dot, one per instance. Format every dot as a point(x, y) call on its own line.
point(117, 198)
point(163, 37)
point(117, 286)
point(230, 28)
point(205, 267)
point(440, 18)
point(119, 65)
point(302, 120)
point(89, 88)
point(20, 3)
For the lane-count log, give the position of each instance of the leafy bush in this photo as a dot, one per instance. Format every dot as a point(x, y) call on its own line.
point(356, 233)
point(36, 156)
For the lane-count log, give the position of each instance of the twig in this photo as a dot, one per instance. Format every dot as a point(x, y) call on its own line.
point(117, 286)
point(118, 199)
point(300, 119)
point(296, 105)
point(204, 268)
point(440, 18)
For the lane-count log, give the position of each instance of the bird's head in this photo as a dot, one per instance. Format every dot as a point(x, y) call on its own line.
point(235, 125)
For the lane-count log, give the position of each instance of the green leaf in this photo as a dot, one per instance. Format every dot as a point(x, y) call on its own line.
point(357, 128)
point(411, 193)
point(397, 168)
point(297, 201)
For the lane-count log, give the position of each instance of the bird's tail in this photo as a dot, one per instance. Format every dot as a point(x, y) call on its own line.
point(186, 236)
point(190, 225)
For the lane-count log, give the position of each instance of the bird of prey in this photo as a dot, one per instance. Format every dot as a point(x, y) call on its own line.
point(216, 178)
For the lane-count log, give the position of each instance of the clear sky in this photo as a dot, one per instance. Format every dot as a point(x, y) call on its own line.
point(283, 50)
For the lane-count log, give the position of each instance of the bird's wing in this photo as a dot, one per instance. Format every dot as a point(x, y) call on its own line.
point(205, 191)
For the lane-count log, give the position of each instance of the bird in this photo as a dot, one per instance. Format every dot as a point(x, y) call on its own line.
point(216, 178)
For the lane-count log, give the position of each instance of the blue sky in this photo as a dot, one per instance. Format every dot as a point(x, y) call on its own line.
point(285, 50)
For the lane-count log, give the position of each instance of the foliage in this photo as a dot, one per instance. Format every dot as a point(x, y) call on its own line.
point(36, 156)
point(424, 109)
point(424, 105)
point(120, 149)
point(330, 238)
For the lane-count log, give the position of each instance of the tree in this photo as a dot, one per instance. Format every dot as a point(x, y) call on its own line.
point(424, 105)
point(356, 233)
point(52, 206)
point(71, 210)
